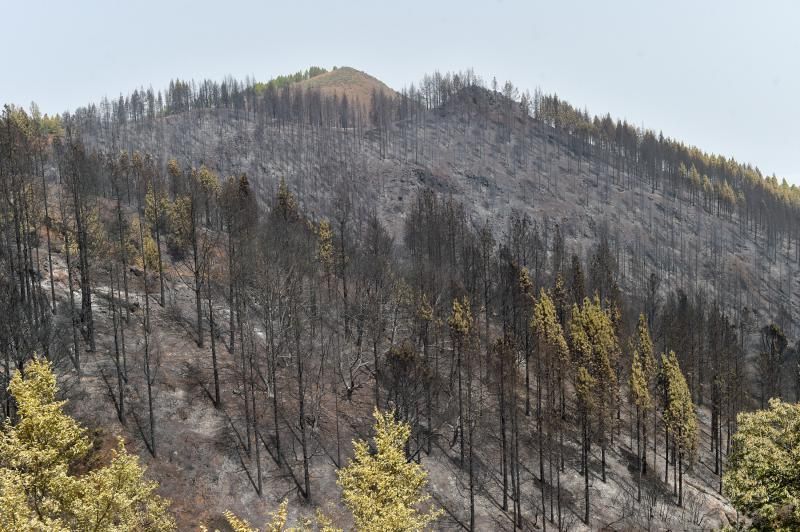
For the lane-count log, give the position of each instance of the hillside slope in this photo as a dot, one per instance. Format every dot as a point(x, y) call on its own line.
point(467, 151)
point(202, 468)
point(483, 151)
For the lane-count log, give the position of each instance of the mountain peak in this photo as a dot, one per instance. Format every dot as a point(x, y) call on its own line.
point(347, 81)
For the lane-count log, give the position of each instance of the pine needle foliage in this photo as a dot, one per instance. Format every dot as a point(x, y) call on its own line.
point(383, 490)
point(763, 476)
point(38, 454)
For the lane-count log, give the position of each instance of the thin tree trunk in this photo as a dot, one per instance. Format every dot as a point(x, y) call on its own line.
point(49, 249)
point(231, 291)
point(147, 368)
point(680, 478)
point(586, 467)
point(215, 369)
point(503, 445)
point(76, 356)
point(243, 359)
point(124, 255)
point(259, 488)
point(638, 457)
point(666, 456)
point(117, 362)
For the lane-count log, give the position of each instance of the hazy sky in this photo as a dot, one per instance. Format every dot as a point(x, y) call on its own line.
point(722, 75)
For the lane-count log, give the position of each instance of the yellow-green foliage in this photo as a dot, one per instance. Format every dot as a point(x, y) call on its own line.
point(96, 235)
point(17, 120)
point(150, 258)
point(37, 488)
point(382, 489)
point(640, 394)
point(173, 168)
point(155, 207)
point(679, 415)
point(324, 523)
point(287, 204)
point(180, 221)
point(595, 343)
point(208, 180)
point(288, 79)
point(595, 340)
point(644, 346)
point(763, 476)
point(277, 522)
point(137, 162)
point(325, 246)
point(51, 125)
point(461, 319)
point(525, 283)
point(425, 310)
point(134, 250)
point(548, 329)
point(644, 343)
point(45, 125)
point(238, 524)
point(584, 386)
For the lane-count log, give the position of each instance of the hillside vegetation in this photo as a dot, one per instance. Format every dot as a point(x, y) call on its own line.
point(566, 314)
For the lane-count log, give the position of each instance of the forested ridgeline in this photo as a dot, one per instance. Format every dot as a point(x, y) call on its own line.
point(399, 119)
point(539, 390)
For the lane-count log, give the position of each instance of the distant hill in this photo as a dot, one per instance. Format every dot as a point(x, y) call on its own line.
point(347, 81)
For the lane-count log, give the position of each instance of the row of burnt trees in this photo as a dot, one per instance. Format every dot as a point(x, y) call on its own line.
point(35, 216)
point(765, 205)
point(277, 101)
point(26, 323)
point(56, 249)
point(184, 95)
point(632, 157)
point(107, 220)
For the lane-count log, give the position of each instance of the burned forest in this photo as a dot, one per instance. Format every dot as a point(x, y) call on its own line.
point(545, 318)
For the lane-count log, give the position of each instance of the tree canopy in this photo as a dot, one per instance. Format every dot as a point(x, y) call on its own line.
point(381, 487)
point(763, 477)
point(38, 454)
